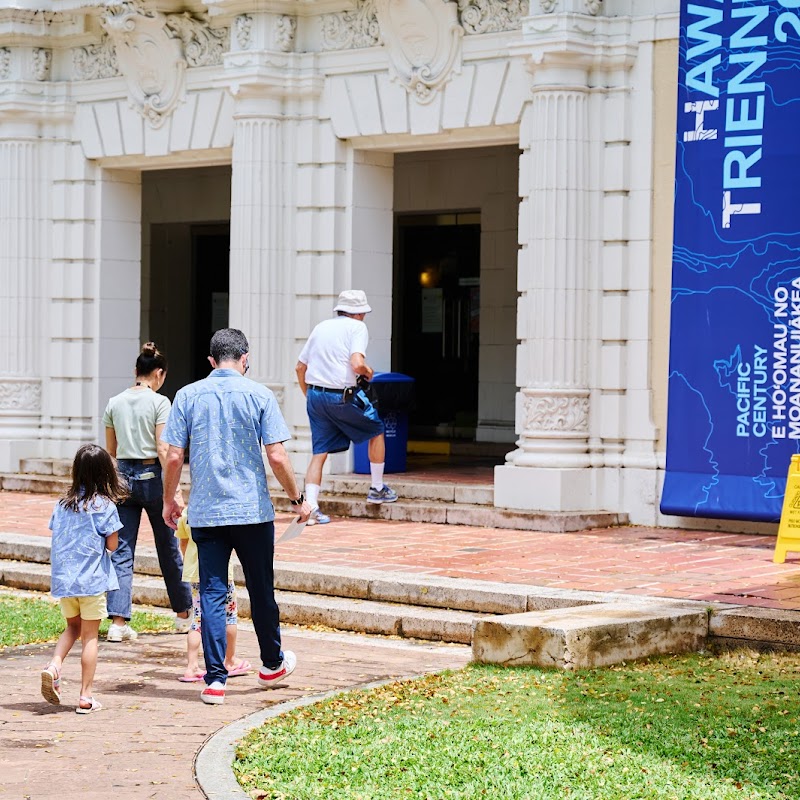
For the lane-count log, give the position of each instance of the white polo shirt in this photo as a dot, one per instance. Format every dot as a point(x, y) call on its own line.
point(327, 352)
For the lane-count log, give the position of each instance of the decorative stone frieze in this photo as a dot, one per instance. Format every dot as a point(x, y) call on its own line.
point(492, 16)
point(554, 411)
point(40, 66)
point(423, 40)
point(203, 46)
point(95, 61)
point(5, 63)
point(20, 395)
point(348, 30)
point(243, 31)
point(284, 33)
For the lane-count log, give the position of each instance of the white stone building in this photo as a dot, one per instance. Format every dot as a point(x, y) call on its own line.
point(495, 174)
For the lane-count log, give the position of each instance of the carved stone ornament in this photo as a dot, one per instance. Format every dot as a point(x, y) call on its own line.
point(593, 6)
point(5, 63)
point(150, 59)
point(548, 6)
point(423, 39)
point(351, 29)
point(284, 32)
point(492, 16)
point(20, 395)
point(560, 413)
point(203, 46)
point(243, 30)
point(95, 61)
point(40, 67)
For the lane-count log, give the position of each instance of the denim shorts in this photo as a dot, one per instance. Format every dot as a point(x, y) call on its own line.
point(335, 423)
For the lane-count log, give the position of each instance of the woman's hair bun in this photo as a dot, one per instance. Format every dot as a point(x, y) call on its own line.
point(149, 349)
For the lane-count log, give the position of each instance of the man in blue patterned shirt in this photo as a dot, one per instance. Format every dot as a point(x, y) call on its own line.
point(224, 420)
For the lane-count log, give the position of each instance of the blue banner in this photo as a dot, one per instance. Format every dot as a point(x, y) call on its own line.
point(734, 383)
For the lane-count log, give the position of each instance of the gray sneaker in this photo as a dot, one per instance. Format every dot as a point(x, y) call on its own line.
point(385, 495)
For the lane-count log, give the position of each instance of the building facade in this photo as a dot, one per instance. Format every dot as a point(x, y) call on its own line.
point(496, 174)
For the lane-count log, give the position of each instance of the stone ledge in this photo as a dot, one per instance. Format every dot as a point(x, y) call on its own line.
point(579, 638)
point(768, 626)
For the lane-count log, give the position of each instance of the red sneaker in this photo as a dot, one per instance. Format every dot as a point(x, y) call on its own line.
point(213, 696)
point(271, 678)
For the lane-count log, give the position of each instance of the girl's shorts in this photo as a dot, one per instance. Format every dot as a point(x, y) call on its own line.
point(92, 606)
point(231, 611)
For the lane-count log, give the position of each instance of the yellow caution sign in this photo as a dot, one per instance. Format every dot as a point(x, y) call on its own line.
point(789, 530)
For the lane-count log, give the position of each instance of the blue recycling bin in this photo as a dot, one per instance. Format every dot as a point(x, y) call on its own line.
point(395, 393)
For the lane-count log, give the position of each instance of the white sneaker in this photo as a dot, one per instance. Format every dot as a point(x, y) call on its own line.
point(120, 633)
point(271, 678)
point(182, 624)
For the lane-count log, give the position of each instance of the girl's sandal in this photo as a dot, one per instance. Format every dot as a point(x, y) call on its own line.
point(51, 684)
point(87, 705)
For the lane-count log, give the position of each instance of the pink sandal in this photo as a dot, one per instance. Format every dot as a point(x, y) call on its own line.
point(192, 678)
point(51, 684)
point(242, 668)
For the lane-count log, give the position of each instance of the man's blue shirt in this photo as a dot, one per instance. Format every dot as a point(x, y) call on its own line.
point(224, 419)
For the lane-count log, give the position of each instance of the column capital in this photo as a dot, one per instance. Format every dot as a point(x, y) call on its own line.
point(262, 64)
point(572, 39)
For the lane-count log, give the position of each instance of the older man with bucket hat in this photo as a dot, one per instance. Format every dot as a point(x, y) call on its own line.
point(334, 375)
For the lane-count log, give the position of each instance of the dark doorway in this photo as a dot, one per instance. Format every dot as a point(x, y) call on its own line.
point(211, 246)
point(437, 320)
point(189, 282)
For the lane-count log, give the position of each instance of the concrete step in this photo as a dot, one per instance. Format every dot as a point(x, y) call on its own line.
point(60, 467)
point(440, 491)
point(363, 584)
point(549, 626)
point(588, 637)
point(36, 483)
point(480, 516)
point(363, 616)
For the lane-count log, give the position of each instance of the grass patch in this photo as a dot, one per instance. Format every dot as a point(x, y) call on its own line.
point(27, 620)
point(682, 728)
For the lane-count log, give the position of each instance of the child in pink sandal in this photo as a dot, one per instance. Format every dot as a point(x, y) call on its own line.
point(85, 523)
point(191, 574)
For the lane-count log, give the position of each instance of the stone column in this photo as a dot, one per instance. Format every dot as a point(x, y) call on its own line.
point(23, 237)
point(269, 97)
point(550, 469)
point(261, 236)
point(553, 272)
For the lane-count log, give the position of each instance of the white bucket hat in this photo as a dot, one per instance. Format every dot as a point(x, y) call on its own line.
point(352, 301)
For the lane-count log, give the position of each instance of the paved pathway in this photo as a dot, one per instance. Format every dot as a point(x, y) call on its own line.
point(688, 564)
point(142, 744)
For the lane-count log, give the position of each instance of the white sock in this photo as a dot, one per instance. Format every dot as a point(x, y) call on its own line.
point(216, 685)
point(376, 470)
point(312, 494)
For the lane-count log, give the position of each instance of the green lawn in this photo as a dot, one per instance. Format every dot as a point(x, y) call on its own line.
point(691, 728)
point(25, 620)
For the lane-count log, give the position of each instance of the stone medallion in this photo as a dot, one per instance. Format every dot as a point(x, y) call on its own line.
point(423, 39)
point(150, 59)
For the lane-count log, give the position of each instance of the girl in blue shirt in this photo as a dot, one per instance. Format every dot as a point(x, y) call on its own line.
point(85, 524)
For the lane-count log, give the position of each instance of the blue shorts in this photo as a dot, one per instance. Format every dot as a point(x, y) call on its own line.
point(334, 423)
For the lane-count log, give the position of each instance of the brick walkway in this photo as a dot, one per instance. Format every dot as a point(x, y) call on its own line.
point(697, 565)
point(142, 744)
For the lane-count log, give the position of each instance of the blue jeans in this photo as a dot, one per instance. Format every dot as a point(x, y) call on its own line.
point(146, 494)
point(254, 545)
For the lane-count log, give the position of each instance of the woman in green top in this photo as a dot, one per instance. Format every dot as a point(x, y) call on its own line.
point(134, 421)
